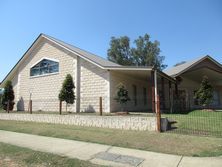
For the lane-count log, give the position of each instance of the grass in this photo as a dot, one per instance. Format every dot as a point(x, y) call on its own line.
point(198, 122)
point(151, 141)
point(17, 156)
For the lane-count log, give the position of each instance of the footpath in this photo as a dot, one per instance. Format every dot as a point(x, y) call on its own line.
point(105, 154)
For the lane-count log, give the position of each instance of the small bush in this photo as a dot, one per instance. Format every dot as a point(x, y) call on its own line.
point(8, 96)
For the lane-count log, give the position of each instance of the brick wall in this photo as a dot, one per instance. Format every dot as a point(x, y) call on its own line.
point(114, 122)
point(117, 78)
point(94, 83)
point(43, 88)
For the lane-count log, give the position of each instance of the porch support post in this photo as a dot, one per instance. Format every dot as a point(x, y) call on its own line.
point(157, 103)
point(176, 90)
point(176, 100)
point(153, 91)
point(163, 92)
point(170, 98)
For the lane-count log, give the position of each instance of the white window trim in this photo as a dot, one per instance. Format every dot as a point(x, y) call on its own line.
point(44, 75)
point(43, 59)
point(47, 74)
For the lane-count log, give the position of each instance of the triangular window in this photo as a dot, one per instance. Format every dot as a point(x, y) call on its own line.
point(45, 66)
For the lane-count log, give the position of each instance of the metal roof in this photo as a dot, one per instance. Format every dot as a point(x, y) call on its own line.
point(101, 62)
point(96, 59)
point(177, 70)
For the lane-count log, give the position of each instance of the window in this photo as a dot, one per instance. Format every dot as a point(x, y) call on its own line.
point(135, 95)
point(216, 98)
point(45, 66)
point(196, 101)
point(144, 96)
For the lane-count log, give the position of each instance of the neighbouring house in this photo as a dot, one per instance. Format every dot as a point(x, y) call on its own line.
point(40, 72)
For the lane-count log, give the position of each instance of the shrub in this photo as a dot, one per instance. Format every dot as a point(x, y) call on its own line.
point(67, 92)
point(8, 96)
point(205, 93)
point(122, 96)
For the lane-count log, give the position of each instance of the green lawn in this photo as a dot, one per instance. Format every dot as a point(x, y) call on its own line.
point(152, 141)
point(198, 122)
point(17, 156)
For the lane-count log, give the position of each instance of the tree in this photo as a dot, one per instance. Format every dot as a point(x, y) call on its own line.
point(8, 96)
point(67, 92)
point(205, 93)
point(122, 96)
point(145, 52)
point(120, 51)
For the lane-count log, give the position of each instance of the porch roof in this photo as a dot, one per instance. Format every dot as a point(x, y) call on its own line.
point(143, 73)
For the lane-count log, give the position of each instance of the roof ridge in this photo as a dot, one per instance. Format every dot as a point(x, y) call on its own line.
point(91, 56)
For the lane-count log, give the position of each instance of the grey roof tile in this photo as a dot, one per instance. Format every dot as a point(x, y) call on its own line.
point(97, 59)
point(174, 71)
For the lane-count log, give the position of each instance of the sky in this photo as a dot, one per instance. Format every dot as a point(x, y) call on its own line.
point(185, 29)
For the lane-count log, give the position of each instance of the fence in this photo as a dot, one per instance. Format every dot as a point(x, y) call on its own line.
point(192, 119)
point(85, 104)
point(183, 119)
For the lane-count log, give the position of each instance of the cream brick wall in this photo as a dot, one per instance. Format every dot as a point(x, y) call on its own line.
point(94, 83)
point(114, 122)
point(117, 78)
point(15, 86)
point(45, 89)
point(190, 86)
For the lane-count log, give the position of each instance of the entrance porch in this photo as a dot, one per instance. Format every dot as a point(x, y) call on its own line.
point(144, 85)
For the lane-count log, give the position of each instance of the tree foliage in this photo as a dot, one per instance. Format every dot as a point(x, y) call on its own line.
point(205, 93)
point(120, 51)
point(67, 92)
point(145, 52)
point(8, 96)
point(122, 96)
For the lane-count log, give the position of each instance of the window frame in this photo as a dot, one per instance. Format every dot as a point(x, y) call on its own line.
point(39, 68)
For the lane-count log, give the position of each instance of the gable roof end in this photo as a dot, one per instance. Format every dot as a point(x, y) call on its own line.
point(178, 70)
point(99, 61)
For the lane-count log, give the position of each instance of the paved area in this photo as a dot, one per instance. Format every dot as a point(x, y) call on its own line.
point(105, 154)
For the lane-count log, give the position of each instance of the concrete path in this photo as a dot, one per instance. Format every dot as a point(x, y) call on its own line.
point(104, 154)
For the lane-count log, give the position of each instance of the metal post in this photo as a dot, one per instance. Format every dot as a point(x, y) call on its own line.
point(163, 92)
point(158, 114)
point(100, 106)
point(60, 107)
point(30, 106)
point(170, 98)
point(155, 89)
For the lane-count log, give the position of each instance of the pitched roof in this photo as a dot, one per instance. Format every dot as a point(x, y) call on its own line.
point(84, 54)
point(96, 59)
point(177, 70)
point(101, 62)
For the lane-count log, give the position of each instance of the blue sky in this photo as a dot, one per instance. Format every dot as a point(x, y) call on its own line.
point(185, 29)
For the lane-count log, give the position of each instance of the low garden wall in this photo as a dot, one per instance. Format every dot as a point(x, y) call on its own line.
point(115, 122)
